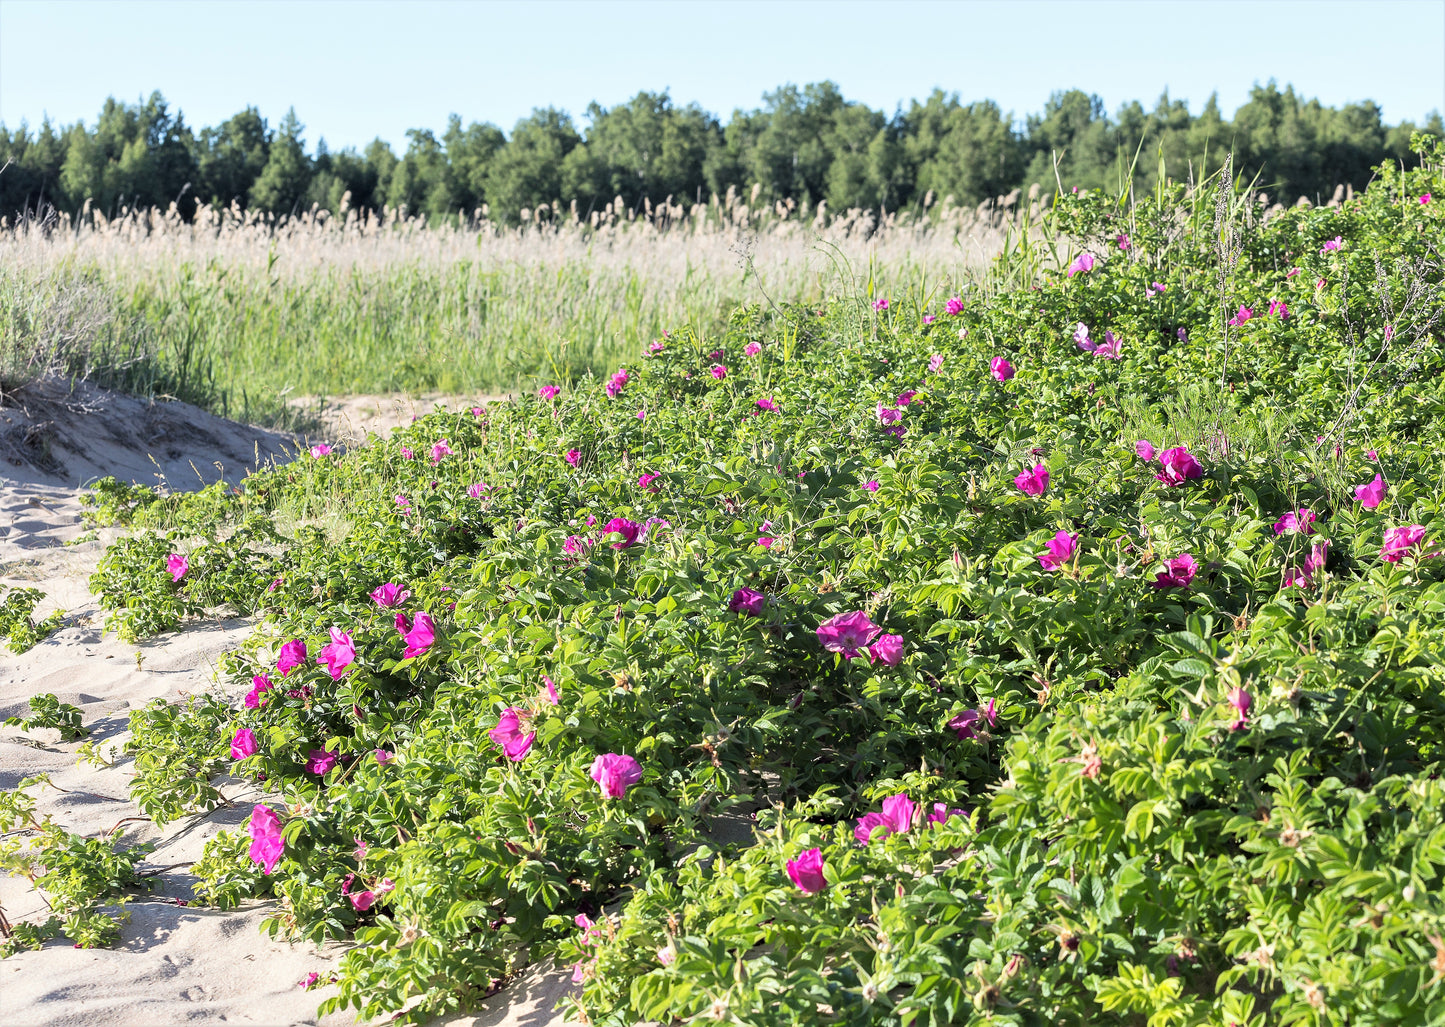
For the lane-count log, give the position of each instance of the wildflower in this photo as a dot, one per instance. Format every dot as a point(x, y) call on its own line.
point(1319, 284)
point(906, 398)
point(260, 684)
point(1001, 369)
point(177, 565)
point(477, 489)
point(645, 482)
point(1389, 332)
point(407, 454)
point(880, 304)
point(928, 319)
point(478, 411)
point(1177, 573)
point(718, 371)
point(1241, 701)
point(1332, 244)
point(418, 634)
point(766, 541)
point(748, 601)
point(293, 654)
point(898, 813)
point(1399, 541)
point(642, 414)
point(1153, 289)
point(616, 382)
point(966, 724)
point(807, 871)
point(1060, 551)
point(766, 403)
point(1110, 348)
point(888, 650)
point(667, 955)
point(1123, 240)
point(847, 633)
point(1372, 455)
point(870, 486)
point(1144, 449)
point(402, 503)
point(1244, 315)
point(389, 594)
point(308, 981)
point(1292, 272)
point(1084, 262)
point(656, 346)
point(616, 773)
point(320, 450)
point(1181, 335)
point(1314, 563)
point(752, 349)
point(551, 691)
point(889, 415)
point(439, 450)
point(319, 761)
point(1301, 520)
point(1178, 466)
point(1035, 482)
point(716, 354)
point(383, 756)
point(1424, 199)
point(337, 655)
point(572, 456)
point(1373, 494)
point(1090, 763)
point(243, 743)
point(1279, 307)
point(1081, 337)
point(954, 306)
point(629, 530)
point(548, 391)
point(942, 813)
point(508, 734)
point(266, 843)
point(934, 363)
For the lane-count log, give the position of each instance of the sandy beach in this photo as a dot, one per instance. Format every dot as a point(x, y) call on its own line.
point(174, 962)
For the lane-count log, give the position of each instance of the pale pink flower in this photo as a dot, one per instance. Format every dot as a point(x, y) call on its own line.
point(320, 450)
point(934, 363)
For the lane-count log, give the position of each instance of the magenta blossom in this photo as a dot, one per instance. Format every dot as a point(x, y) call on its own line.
point(748, 601)
point(338, 654)
point(1244, 315)
point(177, 565)
point(807, 871)
point(1144, 449)
point(953, 306)
point(870, 486)
point(889, 415)
point(1301, 520)
point(319, 761)
point(1178, 465)
point(477, 489)
point(1111, 348)
point(551, 691)
point(766, 403)
point(880, 304)
point(629, 530)
point(645, 482)
point(383, 756)
point(418, 635)
point(616, 382)
point(928, 319)
point(905, 398)
point(293, 654)
point(766, 541)
point(718, 371)
point(942, 813)
point(616, 773)
point(1241, 701)
point(970, 723)
point(390, 594)
point(1389, 332)
point(1035, 482)
point(440, 449)
point(1081, 337)
point(1314, 563)
point(266, 843)
point(1084, 262)
point(1399, 541)
point(1177, 573)
point(847, 633)
point(1279, 307)
point(1123, 240)
point(1332, 244)
point(320, 450)
point(1060, 551)
point(548, 391)
point(243, 744)
point(1373, 494)
point(752, 349)
point(656, 346)
point(407, 454)
point(888, 650)
point(896, 818)
point(1424, 199)
point(934, 363)
point(572, 456)
point(260, 684)
point(508, 734)
point(1001, 369)
point(1154, 289)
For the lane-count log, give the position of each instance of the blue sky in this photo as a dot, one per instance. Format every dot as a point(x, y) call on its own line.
point(356, 69)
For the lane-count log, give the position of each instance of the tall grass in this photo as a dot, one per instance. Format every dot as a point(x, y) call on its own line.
point(240, 313)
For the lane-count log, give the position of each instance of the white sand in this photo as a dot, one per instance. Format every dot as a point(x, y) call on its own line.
point(173, 963)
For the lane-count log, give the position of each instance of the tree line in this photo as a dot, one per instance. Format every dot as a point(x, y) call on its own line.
point(808, 144)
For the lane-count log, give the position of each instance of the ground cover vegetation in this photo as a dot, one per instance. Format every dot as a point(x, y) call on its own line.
point(1067, 647)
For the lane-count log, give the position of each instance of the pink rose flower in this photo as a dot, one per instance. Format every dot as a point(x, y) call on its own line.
point(243, 744)
point(847, 633)
point(177, 565)
point(615, 772)
point(807, 871)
